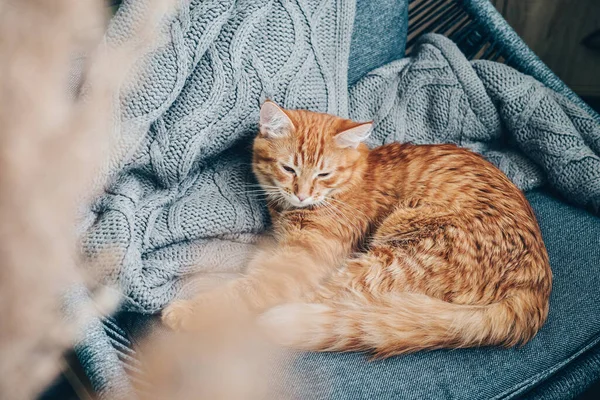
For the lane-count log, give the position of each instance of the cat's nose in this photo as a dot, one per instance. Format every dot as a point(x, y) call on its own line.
point(302, 196)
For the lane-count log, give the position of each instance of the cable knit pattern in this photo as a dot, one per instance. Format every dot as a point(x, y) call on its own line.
point(177, 203)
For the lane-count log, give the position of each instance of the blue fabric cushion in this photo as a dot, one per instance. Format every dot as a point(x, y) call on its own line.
point(557, 363)
point(379, 35)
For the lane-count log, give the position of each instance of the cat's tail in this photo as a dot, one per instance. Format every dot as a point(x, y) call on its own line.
point(401, 323)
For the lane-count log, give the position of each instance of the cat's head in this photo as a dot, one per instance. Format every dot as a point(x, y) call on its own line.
point(302, 158)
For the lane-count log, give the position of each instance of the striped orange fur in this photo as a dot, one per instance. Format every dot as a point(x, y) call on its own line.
point(395, 249)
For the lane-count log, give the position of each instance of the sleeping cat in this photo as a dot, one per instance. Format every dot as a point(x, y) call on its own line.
point(391, 250)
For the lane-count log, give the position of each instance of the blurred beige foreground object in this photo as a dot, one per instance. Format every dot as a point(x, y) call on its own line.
point(56, 151)
point(51, 148)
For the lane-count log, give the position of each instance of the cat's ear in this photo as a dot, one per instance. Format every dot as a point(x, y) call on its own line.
point(274, 122)
point(354, 136)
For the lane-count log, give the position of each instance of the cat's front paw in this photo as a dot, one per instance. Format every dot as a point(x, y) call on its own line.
point(178, 315)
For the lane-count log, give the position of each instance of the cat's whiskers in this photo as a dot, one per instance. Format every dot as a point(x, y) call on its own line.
point(328, 211)
point(278, 201)
point(258, 192)
point(341, 214)
point(343, 203)
point(257, 186)
point(271, 194)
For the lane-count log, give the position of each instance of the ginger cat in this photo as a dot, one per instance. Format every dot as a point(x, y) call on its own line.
point(391, 250)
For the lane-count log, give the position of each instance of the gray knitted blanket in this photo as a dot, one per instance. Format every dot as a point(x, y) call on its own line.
point(177, 204)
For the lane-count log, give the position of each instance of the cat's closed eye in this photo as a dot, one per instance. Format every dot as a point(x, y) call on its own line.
point(288, 169)
point(324, 174)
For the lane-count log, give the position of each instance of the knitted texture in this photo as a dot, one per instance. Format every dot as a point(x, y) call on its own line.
point(178, 203)
point(531, 133)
